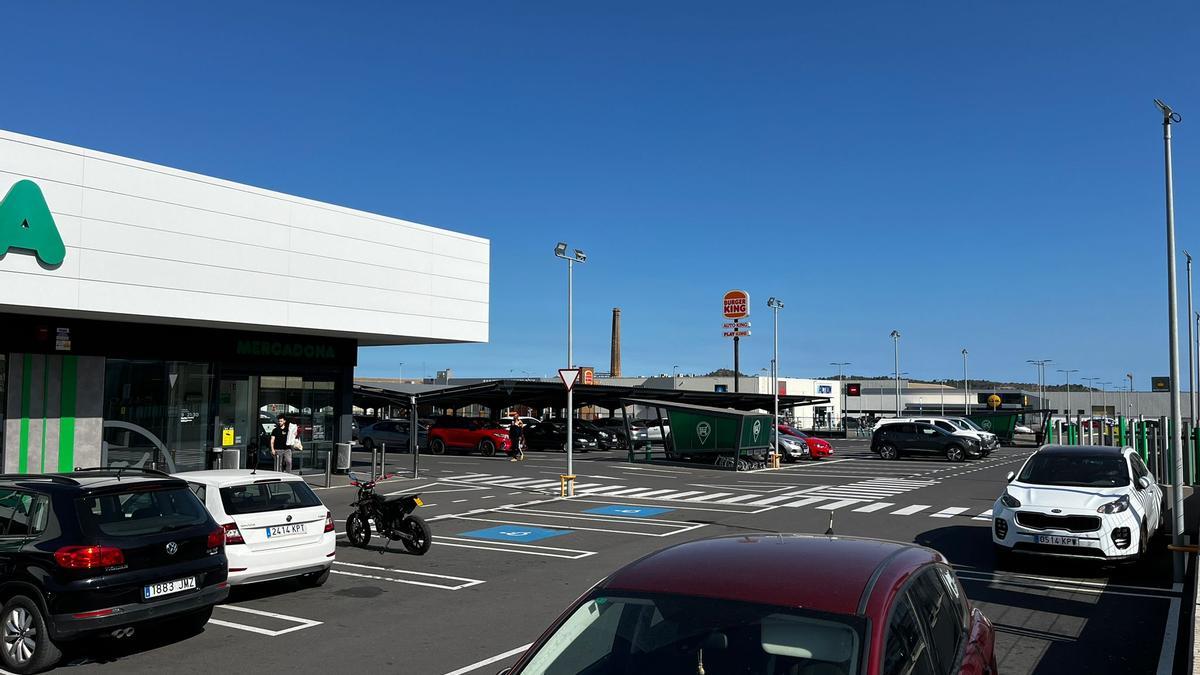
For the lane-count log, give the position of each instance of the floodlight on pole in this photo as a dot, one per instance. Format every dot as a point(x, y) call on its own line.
point(1068, 374)
point(775, 304)
point(560, 251)
point(842, 384)
point(896, 345)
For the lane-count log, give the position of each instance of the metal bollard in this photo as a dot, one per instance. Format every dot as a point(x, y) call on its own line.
point(383, 459)
point(374, 460)
point(329, 466)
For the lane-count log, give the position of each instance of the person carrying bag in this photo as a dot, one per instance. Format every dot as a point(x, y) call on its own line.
point(285, 439)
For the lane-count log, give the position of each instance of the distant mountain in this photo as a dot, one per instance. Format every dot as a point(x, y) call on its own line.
point(977, 385)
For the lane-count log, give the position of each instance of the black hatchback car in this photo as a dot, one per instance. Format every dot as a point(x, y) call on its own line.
point(904, 438)
point(100, 553)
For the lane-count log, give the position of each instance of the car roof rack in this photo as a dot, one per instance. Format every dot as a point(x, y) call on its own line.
point(54, 478)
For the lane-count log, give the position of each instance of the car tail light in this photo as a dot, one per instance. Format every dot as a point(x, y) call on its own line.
point(88, 557)
point(216, 541)
point(232, 534)
point(328, 521)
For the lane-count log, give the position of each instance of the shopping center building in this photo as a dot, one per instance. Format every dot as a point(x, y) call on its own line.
point(157, 317)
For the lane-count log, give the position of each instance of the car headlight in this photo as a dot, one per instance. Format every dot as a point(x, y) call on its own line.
point(1010, 501)
point(1117, 506)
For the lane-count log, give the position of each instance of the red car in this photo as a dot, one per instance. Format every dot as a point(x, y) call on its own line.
point(817, 447)
point(735, 605)
point(468, 433)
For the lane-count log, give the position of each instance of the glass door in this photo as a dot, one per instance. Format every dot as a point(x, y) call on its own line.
point(239, 430)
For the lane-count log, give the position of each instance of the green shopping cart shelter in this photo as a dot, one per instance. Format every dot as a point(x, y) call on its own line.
point(705, 430)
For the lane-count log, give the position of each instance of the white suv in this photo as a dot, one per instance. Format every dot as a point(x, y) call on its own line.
point(952, 425)
point(1080, 501)
point(275, 525)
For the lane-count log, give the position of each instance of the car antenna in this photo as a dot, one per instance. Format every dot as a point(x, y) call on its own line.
point(829, 532)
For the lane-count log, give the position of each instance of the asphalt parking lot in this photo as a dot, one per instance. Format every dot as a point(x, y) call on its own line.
point(509, 555)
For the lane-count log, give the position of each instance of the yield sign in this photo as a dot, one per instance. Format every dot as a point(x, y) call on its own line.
point(569, 376)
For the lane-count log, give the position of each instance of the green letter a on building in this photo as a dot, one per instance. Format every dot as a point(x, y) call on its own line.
point(26, 223)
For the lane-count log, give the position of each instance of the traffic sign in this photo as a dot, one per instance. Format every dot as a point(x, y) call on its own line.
point(569, 376)
point(736, 304)
point(736, 324)
point(736, 333)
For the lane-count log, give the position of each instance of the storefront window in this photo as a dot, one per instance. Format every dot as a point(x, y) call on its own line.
point(156, 414)
point(310, 405)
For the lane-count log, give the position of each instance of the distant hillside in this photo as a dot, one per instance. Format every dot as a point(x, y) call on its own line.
point(978, 385)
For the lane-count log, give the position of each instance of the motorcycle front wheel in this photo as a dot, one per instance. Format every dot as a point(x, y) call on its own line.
point(358, 530)
point(419, 537)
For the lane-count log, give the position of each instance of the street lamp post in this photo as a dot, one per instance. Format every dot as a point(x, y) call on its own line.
point(1041, 366)
point(675, 377)
point(1134, 403)
point(775, 304)
point(577, 256)
point(1176, 429)
point(966, 385)
point(896, 345)
point(1091, 385)
point(1068, 373)
point(1191, 345)
point(842, 384)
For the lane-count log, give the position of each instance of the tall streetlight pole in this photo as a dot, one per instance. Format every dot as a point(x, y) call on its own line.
point(1041, 366)
point(1191, 345)
point(896, 345)
point(675, 377)
point(577, 256)
point(1091, 386)
point(842, 384)
point(1176, 428)
point(966, 385)
point(1068, 373)
point(1132, 395)
point(775, 304)
point(1104, 390)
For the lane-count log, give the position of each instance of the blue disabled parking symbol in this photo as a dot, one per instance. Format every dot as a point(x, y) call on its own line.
point(517, 533)
point(628, 511)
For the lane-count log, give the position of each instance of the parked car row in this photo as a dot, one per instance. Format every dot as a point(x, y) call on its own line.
point(108, 552)
point(957, 426)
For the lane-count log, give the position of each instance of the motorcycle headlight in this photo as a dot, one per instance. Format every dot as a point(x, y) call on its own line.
point(1117, 506)
point(1010, 501)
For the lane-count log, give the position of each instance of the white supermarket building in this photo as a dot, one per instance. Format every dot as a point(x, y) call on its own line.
point(180, 312)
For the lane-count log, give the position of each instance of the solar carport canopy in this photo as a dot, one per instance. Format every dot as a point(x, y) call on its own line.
point(499, 394)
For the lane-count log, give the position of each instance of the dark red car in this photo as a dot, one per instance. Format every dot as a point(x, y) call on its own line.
point(735, 605)
point(469, 434)
point(817, 447)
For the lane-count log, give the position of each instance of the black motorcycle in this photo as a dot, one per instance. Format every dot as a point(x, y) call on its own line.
point(392, 517)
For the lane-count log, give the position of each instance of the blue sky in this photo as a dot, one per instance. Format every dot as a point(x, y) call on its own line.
point(979, 175)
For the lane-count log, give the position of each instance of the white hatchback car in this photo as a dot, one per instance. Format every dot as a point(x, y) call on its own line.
point(1081, 501)
point(275, 525)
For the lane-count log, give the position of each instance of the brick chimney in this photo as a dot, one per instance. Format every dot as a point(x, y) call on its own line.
point(614, 366)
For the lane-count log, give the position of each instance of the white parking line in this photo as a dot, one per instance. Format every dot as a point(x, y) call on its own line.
point(513, 547)
point(490, 660)
point(301, 623)
point(465, 582)
point(839, 504)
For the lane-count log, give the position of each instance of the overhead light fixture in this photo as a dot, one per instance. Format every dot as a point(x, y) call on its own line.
point(561, 249)
point(580, 256)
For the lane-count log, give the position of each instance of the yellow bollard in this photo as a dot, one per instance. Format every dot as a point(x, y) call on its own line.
point(562, 484)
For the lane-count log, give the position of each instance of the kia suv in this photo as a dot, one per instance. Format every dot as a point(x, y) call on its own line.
point(101, 552)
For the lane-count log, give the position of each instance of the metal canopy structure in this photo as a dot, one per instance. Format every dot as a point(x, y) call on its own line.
point(499, 394)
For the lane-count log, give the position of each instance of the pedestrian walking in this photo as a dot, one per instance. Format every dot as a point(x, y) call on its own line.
point(284, 439)
point(516, 434)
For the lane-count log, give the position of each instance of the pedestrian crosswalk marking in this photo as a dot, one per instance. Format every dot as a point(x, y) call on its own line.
point(711, 495)
point(909, 510)
point(771, 500)
point(984, 515)
point(948, 513)
point(871, 508)
point(739, 498)
point(838, 504)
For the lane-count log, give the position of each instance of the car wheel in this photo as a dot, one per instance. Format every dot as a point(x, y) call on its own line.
point(422, 537)
point(358, 530)
point(316, 579)
point(368, 444)
point(192, 623)
point(955, 453)
point(26, 646)
point(437, 446)
point(888, 451)
point(487, 448)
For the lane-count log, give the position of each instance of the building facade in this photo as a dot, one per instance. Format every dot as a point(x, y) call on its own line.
point(152, 316)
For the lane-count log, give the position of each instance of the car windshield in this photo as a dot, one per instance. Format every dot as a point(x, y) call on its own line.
point(971, 425)
point(671, 634)
point(1076, 470)
point(137, 513)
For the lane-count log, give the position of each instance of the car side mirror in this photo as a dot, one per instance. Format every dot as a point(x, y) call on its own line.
point(1009, 478)
point(1143, 483)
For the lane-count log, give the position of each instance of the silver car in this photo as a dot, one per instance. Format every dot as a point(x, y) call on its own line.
point(392, 432)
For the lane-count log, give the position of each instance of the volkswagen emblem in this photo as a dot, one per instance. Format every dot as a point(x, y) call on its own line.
point(172, 548)
point(289, 519)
